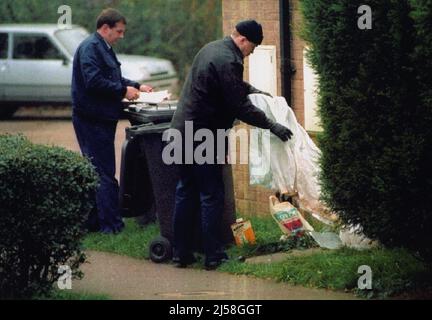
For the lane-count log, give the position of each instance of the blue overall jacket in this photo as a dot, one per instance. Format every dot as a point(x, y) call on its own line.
point(97, 83)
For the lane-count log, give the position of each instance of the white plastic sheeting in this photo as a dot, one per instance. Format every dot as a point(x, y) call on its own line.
point(353, 237)
point(293, 164)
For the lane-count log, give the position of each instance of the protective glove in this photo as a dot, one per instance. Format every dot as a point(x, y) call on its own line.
point(281, 131)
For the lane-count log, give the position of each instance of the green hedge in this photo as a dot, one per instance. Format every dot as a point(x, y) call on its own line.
point(375, 107)
point(45, 196)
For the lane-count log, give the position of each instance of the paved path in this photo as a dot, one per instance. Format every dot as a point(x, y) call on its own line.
point(122, 277)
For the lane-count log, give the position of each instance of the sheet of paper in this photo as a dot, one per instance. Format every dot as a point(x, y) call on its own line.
point(153, 97)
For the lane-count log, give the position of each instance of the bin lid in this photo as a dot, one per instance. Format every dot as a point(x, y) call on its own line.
point(157, 113)
point(147, 128)
point(158, 107)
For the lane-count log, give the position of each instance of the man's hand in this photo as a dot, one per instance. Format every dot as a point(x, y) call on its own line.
point(281, 131)
point(145, 88)
point(132, 93)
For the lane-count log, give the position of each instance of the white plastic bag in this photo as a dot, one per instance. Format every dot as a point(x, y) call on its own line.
point(353, 237)
point(293, 164)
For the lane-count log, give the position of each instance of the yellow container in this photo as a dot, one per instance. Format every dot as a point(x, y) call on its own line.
point(243, 232)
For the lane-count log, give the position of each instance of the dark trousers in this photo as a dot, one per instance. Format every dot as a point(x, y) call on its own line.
point(96, 141)
point(200, 186)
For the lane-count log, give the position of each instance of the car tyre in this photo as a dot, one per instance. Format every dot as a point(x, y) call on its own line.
point(7, 111)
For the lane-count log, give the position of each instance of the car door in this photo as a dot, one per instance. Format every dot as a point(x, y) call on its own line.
point(38, 71)
point(4, 40)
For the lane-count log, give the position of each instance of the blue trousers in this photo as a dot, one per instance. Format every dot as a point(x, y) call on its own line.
point(96, 141)
point(199, 187)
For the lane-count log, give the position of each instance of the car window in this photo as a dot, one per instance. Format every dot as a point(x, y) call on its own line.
point(71, 38)
point(3, 45)
point(34, 47)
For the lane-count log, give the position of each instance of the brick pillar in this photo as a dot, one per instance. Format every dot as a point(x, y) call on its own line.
point(253, 200)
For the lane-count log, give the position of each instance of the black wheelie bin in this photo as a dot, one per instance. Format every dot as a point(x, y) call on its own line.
point(147, 184)
point(136, 197)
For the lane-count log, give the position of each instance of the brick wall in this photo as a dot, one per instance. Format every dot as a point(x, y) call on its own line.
point(297, 45)
point(253, 200)
point(265, 12)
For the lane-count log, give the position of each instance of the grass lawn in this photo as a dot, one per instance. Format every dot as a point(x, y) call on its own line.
point(68, 295)
point(394, 272)
point(133, 241)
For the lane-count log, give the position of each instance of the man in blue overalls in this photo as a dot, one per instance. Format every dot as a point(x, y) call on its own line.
point(97, 91)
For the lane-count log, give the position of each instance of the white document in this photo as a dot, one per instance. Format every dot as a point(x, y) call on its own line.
point(153, 97)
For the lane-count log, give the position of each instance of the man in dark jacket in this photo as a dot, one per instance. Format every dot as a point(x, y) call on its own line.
point(214, 95)
point(97, 91)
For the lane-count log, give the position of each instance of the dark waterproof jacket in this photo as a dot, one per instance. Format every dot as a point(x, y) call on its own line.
point(97, 84)
point(214, 94)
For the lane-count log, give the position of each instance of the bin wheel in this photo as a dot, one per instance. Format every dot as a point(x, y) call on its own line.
point(160, 249)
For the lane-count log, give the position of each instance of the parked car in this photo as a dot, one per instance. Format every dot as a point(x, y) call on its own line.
point(36, 65)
